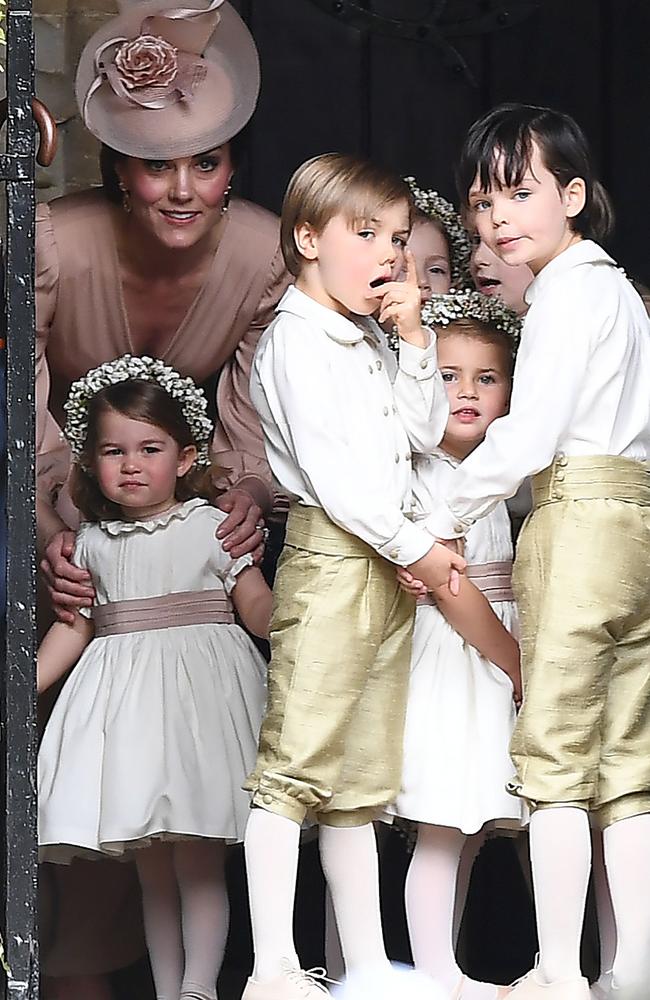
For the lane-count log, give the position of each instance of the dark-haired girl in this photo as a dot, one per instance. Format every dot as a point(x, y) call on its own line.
point(579, 423)
point(156, 728)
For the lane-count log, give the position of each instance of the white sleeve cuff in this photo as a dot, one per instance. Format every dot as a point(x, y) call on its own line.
point(442, 523)
point(409, 544)
point(419, 362)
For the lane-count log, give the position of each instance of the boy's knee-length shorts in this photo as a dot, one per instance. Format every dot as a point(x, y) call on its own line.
point(582, 583)
point(331, 740)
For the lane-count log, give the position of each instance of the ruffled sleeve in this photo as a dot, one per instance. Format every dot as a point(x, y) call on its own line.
point(238, 441)
point(223, 565)
point(53, 456)
point(233, 569)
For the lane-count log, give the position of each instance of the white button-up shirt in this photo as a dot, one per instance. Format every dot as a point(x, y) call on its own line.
point(340, 419)
point(581, 385)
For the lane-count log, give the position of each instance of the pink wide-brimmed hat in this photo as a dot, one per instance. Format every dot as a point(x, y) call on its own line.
point(159, 81)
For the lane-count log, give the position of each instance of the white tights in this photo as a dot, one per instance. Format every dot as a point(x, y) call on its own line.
point(349, 859)
point(561, 859)
point(185, 907)
point(351, 866)
point(604, 912)
point(627, 858)
point(432, 885)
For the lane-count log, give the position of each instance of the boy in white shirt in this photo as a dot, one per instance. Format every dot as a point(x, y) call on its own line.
point(579, 422)
point(340, 420)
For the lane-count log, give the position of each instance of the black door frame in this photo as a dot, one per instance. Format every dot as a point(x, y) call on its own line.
point(18, 743)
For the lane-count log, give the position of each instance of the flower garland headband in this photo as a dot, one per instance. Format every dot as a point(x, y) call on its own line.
point(192, 399)
point(460, 248)
point(441, 310)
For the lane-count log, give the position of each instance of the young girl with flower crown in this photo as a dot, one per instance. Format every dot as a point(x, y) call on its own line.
point(439, 243)
point(156, 727)
point(465, 680)
point(579, 422)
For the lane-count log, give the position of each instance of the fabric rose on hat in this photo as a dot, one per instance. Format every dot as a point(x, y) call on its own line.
point(146, 61)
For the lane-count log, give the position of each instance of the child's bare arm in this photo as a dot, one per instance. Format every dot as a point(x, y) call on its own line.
point(252, 597)
point(440, 566)
point(61, 648)
point(471, 615)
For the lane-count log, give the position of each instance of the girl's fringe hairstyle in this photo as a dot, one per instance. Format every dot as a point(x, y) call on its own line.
point(149, 402)
point(499, 148)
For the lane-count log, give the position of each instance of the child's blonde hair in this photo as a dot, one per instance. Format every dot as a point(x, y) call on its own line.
point(335, 184)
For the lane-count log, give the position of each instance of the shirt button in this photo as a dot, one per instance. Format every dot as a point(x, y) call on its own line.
point(396, 458)
point(424, 364)
point(394, 553)
point(562, 460)
point(559, 477)
point(379, 365)
point(267, 799)
point(458, 527)
point(386, 411)
point(558, 495)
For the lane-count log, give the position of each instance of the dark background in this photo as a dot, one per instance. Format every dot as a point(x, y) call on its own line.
point(401, 80)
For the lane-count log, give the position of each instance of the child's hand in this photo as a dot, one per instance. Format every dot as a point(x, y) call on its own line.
point(400, 304)
point(440, 567)
point(409, 584)
point(514, 673)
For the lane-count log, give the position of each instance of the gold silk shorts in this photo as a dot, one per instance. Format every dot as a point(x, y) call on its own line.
point(331, 739)
point(582, 583)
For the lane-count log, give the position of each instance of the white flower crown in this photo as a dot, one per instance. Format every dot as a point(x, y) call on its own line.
point(441, 310)
point(460, 248)
point(192, 399)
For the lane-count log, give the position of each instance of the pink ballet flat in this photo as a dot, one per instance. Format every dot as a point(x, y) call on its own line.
point(501, 991)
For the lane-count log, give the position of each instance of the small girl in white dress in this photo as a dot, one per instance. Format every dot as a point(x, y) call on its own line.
point(465, 679)
point(156, 728)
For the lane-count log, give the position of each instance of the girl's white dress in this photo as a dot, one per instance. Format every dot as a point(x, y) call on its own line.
point(460, 713)
point(154, 731)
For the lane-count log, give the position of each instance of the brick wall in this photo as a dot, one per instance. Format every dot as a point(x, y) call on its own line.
point(62, 28)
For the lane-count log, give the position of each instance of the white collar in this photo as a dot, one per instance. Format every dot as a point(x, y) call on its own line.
point(443, 456)
point(337, 327)
point(584, 252)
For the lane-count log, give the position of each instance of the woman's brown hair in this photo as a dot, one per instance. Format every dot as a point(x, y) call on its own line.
point(138, 400)
point(109, 158)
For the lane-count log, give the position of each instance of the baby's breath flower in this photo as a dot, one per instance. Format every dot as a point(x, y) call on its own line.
point(441, 310)
point(192, 399)
point(460, 247)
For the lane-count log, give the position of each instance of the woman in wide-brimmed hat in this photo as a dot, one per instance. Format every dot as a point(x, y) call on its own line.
point(160, 260)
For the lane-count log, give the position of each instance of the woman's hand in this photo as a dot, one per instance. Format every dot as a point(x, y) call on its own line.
point(243, 530)
point(69, 587)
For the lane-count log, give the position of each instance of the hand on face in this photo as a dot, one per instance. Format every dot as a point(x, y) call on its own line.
point(400, 303)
